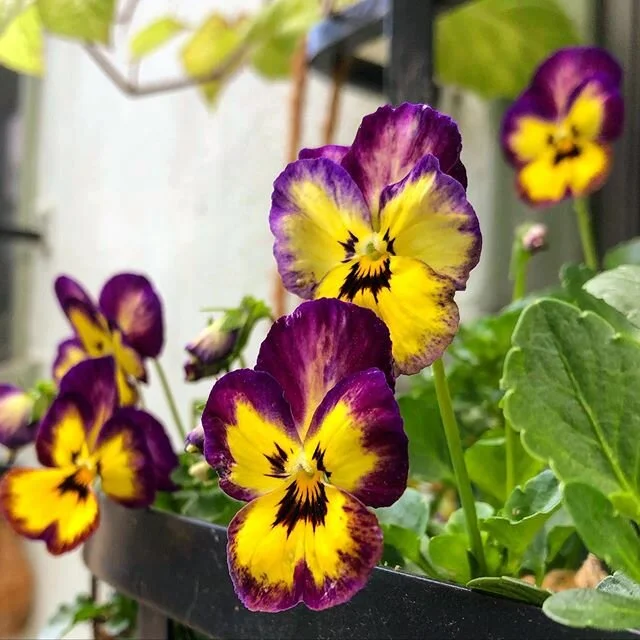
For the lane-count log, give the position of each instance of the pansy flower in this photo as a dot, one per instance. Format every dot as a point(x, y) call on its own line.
point(385, 224)
point(309, 438)
point(126, 324)
point(557, 134)
point(84, 437)
point(17, 426)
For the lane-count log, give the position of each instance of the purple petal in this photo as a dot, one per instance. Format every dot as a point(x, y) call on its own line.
point(70, 353)
point(358, 436)
point(126, 466)
point(195, 440)
point(130, 301)
point(163, 458)
point(250, 438)
point(334, 152)
point(428, 217)
point(391, 141)
point(16, 426)
point(563, 72)
point(319, 344)
point(64, 430)
point(322, 560)
point(317, 213)
point(210, 349)
point(69, 291)
point(95, 381)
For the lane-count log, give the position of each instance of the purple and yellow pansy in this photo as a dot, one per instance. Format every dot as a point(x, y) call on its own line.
point(84, 437)
point(17, 426)
point(558, 133)
point(126, 324)
point(310, 438)
point(384, 224)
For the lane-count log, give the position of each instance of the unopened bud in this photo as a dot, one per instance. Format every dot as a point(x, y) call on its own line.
point(534, 239)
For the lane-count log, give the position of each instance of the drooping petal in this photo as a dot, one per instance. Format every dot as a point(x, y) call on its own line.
point(391, 141)
point(311, 543)
point(250, 438)
point(70, 353)
point(69, 291)
point(210, 350)
point(563, 72)
point(428, 217)
point(334, 152)
point(356, 438)
point(596, 110)
point(163, 458)
point(528, 125)
point(317, 215)
point(544, 181)
point(95, 381)
point(125, 464)
point(127, 358)
point(130, 301)
point(413, 300)
point(53, 505)
point(319, 344)
point(63, 432)
point(16, 425)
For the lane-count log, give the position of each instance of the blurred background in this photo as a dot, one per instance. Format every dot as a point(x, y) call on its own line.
point(94, 181)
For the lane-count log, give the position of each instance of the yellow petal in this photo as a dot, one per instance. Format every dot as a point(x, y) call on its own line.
point(415, 303)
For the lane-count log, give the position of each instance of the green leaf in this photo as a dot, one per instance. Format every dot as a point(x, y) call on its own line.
point(457, 523)
point(492, 47)
point(572, 389)
point(21, 43)
point(625, 253)
point(487, 466)
point(448, 554)
point(619, 288)
point(83, 608)
point(210, 46)
point(428, 454)
point(9, 10)
point(511, 588)
point(154, 36)
point(525, 513)
point(574, 278)
point(621, 585)
point(87, 20)
point(613, 539)
point(593, 608)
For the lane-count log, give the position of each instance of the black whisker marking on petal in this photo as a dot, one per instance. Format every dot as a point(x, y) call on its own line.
point(573, 152)
point(349, 246)
point(308, 505)
point(373, 280)
point(277, 461)
point(389, 240)
point(71, 485)
point(318, 456)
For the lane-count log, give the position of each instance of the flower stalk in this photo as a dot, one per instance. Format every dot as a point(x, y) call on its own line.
point(463, 483)
point(170, 399)
point(585, 227)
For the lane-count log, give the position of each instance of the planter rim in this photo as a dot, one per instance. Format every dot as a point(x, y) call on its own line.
point(178, 567)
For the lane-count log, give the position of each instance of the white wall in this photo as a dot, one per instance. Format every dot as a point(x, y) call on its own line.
point(161, 185)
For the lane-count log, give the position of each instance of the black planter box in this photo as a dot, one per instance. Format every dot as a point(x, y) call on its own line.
point(177, 567)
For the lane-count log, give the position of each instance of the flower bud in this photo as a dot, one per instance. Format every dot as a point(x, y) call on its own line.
point(534, 238)
point(210, 351)
point(200, 471)
point(17, 426)
point(194, 442)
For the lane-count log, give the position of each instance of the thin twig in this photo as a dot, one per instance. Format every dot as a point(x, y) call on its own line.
point(298, 91)
point(95, 623)
point(162, 86)
point(126, 15)
point(340, 73)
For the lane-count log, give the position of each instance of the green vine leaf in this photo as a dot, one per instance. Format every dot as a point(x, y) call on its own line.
point(21, 43)
point(614, 539)
point(492, 47)
point(154, 36)
point(572, 390)
point(211, 45)
point(87, 20)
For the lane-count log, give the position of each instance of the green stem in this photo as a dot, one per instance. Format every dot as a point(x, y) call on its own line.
point(581, 207)
point(463, 483)
point(510, 438)
point(170, 399)
point(520, 276)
